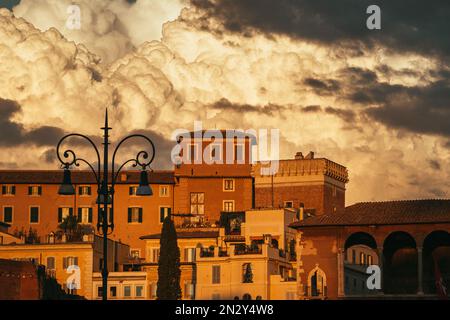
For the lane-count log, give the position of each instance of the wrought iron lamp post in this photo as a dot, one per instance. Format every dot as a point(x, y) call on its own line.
point(102, 178)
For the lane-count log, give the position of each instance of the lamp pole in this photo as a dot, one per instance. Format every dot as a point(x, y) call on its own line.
point(105, 195)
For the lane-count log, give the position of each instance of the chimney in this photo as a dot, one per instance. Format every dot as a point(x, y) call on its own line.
point(298, 156)
point(310, 155)
point(301, 213)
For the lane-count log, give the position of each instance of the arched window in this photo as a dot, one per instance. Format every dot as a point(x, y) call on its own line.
point(247, 273)
point(317, 282)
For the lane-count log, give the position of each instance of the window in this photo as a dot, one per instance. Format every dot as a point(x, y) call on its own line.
point(63, 213)
point(189, 254)
point(239, 153)
point(247, 273)
point(113, 291)
point(153, 290)
point(362, 258)
point(134, 215)
point(228, 205)
point(215, 153)
point(369, 259)
point(193, 152)
point(163, 213)
point(51, 263)
point(135, 253)
point(84, 190)
point(197, 203)
point(8, 214)
point(163, 191)
point(189, 290)
point(139, 291)
point(110, 215)
point(8, 190)
point(34, 190)
point(215, 274)
point(69, 261)
point(132, 191)
point(228, 184)
point(127, 291)
point(34, 214)
point(99, 292)
point(215, 296)
point(85, 215)
point(291, 295)
point(154, 255)
point(288, 204)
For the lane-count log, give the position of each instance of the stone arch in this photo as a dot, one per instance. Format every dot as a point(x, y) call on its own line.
point(400, 263)
point(436, 260)
point(360, 238)
point(360, 251)
point(317, 282)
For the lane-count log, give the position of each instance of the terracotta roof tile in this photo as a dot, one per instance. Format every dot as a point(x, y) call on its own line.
point(384, 213)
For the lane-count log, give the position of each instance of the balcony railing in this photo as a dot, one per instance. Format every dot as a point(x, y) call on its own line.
point(245, 249)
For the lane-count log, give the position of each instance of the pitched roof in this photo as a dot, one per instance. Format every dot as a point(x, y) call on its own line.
point(384, 213)
point(186, 235)
point(78, 177)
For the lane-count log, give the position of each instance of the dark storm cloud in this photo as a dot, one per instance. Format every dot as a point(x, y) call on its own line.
point(312, 108)
point(9, 4)
point(162, 145)
point(225, 104)
point(434, 164)
point(12, 133)
point(421, 109)
point(347, 115)
point(322, 87)
point(406, 25)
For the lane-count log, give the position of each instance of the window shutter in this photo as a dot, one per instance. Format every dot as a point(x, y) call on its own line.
point(13, 189)
point(129, 215)
point(3, 189)
point(140, 215)
point(59, 214)
point(75, 261)
point(70, 211)
point(169, 211)
point(65, 263)
point(29, 190)
point(90, 215)
point(89, 190)
point(80, 214)
point(130, 191)
point(79, 190)
point(40, 190)
point(161, 214)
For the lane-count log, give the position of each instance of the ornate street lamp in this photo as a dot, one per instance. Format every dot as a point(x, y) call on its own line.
point(105, 195)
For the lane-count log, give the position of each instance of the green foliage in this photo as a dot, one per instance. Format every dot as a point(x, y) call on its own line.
point(169, 263)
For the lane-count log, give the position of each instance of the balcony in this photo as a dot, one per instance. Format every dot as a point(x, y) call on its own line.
point(242, 249)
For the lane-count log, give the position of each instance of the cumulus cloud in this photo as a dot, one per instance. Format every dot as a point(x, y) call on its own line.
point(109, 28)
point(332, 101)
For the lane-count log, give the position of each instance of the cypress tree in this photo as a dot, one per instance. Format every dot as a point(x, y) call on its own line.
point(169, 263)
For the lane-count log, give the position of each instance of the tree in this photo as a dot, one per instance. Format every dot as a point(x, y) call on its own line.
point(70, 226)
point(169, 263)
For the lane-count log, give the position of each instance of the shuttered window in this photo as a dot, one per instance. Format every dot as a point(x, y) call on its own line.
point(215, 274)
point(135, 215)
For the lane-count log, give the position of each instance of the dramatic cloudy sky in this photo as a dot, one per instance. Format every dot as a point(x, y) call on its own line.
point(377, 101)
